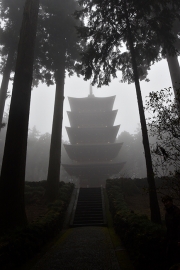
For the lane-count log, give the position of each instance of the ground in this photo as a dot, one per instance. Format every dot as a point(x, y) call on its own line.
point(139, 203)
point(36, 209)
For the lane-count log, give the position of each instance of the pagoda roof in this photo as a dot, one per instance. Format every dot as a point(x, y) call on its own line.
point(91, 103)
point(87, 171)
point(90, 119)
point(93, 152)
point(92, 135)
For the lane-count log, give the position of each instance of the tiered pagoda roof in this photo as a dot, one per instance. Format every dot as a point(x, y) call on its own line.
point(92, 137)
point(90, 152)
point(87, 171)
point(90, 119)
point(91, 104)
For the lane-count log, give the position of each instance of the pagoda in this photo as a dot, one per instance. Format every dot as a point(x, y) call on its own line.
point(92, 137)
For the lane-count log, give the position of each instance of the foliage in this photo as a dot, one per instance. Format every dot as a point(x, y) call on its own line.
point(107, 40)
point(11, 17)
point(133, 154)
point(144, 240)
point(33, 193)
point(170, 185)
point(146, 33)
point(56, 37)
point(164, 126)
point(56, 32)
point(18, 247)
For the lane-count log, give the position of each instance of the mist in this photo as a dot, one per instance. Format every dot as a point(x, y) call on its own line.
point(42, 106)
point(42, 99)
point(62, 169)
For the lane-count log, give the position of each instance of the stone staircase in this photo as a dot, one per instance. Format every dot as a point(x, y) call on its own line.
point(89, 209)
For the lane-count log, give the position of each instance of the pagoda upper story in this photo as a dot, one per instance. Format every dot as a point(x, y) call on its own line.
point(91, 104)
point(92, 137)
point(92, 120)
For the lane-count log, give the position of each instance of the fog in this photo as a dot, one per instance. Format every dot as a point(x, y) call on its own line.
point(42, 99)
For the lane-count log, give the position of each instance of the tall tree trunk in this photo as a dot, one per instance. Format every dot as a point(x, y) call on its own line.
point(12, 180)
point(154, 206)
point(5, 82)
point(174, 69)
point(56, 137)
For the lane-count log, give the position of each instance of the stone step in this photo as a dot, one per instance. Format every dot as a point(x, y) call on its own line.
point(89, 205)
point(89, 215)
point(89, 208)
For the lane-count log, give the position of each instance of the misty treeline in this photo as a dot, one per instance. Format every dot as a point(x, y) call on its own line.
point(41, 41)
point(132, 153)
point(37, 154)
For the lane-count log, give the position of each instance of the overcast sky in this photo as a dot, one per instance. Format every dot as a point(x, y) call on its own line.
point(42, 99)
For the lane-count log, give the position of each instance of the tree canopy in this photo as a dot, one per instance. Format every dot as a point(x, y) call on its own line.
point(56, 37)
point(163, 123)
point(11, 18)
point(106, 35)
point(127, 36)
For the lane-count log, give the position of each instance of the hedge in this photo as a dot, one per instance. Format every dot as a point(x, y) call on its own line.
point(21, 245)
point(144, 240)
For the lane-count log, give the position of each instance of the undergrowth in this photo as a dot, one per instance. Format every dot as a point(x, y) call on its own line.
point(144, 240)
point(21, 245)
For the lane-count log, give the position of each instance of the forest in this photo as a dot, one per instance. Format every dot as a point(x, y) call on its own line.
point(38, 152)
point(45, 41)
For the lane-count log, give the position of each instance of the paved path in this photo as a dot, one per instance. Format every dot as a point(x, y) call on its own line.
point(82, 248)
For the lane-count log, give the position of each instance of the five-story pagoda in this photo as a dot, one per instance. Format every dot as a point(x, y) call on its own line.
point(92, 137)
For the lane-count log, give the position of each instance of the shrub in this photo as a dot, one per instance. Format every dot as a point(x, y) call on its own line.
point(19, 246)
point(144, 240)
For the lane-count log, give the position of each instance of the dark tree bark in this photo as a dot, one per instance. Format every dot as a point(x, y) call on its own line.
point(5, 82)
point(174, 69)
point(12, 180)
point(154, 206)
point(55, 147)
